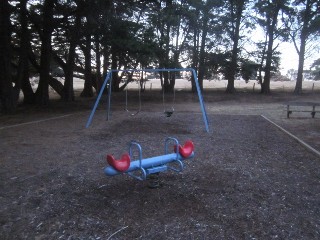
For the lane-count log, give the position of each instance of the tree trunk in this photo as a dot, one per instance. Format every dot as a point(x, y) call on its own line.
point(68, 92)
point(23, 80)
point(195, 59)
point(87, 90)
point(172, 81)
point(298, 87)
point(272, 22)
point(105, 63)
point(303, 40)
point(54, 83)
point(42, 93)
point(202, 50)
point(166, 80)
point(236, 35)
point(265, 87)
point(262, 61)
point(166, 84)
point(114, 65)
point(98, 64)
point(8, 103)
point(165, 60)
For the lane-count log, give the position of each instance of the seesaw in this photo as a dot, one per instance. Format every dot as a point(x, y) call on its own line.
point(150, 165)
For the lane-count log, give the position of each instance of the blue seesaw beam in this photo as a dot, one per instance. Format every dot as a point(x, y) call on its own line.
point(150, 165)
point(153, 164)
point(109, 77)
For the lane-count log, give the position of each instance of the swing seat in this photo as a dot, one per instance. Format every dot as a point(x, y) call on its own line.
point(120, 165)
point(168, 113)
point(186, 150)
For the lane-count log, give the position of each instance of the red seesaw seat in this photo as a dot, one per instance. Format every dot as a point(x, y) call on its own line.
point(186, 150)
point(120, 165)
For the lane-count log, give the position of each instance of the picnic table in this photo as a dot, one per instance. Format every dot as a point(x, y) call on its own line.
point(303, 107)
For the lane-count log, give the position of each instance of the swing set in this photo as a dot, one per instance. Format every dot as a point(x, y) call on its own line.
point(167, 111)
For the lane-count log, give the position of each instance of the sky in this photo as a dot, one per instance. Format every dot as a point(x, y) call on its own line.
point(289, 55)
point(290, 59)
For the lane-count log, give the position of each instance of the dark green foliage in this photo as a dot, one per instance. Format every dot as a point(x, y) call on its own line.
point(249, 70)
point(315, 69)
point(58, 40)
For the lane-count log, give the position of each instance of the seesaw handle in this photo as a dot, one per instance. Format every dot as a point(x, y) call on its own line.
point(167, 141)
point(135, 144)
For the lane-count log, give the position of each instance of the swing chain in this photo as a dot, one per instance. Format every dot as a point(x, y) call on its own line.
point(168, 112)
point(126, 107)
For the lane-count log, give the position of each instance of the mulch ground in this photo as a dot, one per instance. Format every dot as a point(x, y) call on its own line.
point(248, 180)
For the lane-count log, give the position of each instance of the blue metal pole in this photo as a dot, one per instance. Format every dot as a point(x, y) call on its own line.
point(98, 99)
point(154, 70)
point(203, 109)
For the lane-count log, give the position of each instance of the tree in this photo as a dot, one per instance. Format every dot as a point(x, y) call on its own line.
point(22, 80)
point(248, 70)
point(86, 48)
point(236, 8)
point(6, 89)
point(42, 93)
point(203, 19)
point(315, 69)
point(87, 90)
point(269, 11)
point(207, 16)
point(73, 35)
point(130, 41)
point(304, 24)
point(31, 30)
point(165, 18)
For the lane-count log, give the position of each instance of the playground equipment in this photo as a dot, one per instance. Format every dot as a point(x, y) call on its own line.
point(147, 166)
point(168, 111)
point(126, 107)
point(109, 77)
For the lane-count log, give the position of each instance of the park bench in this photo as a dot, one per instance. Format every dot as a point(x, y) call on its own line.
point(302, 107)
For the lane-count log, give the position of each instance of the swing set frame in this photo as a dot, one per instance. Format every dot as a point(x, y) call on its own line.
point(109, 77)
